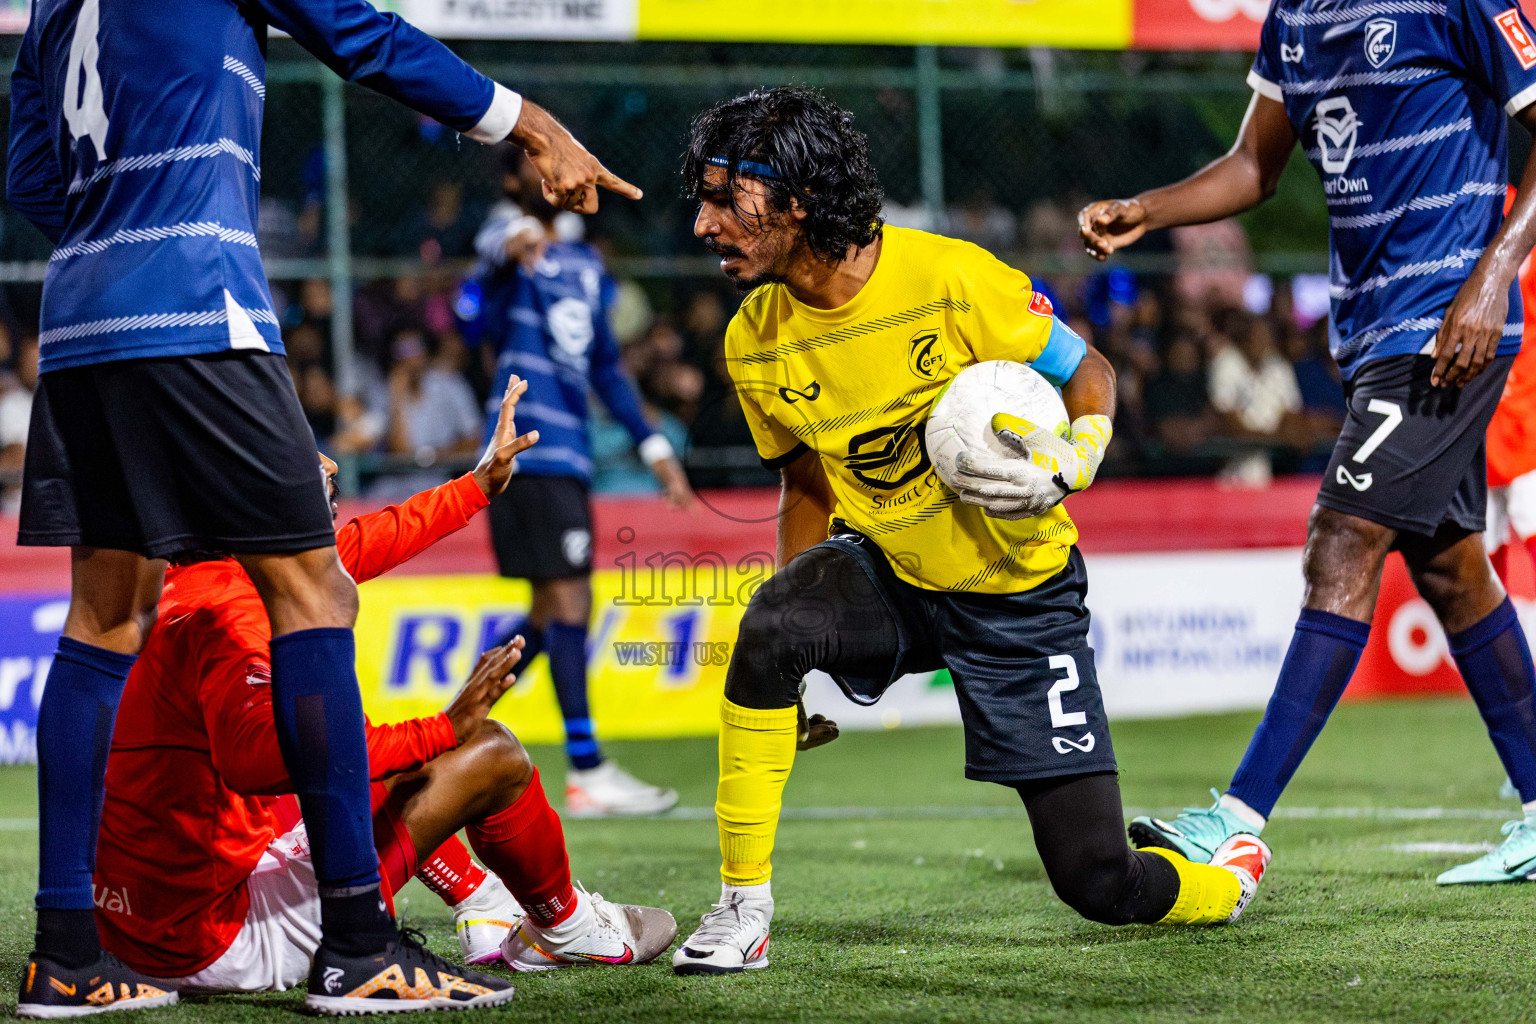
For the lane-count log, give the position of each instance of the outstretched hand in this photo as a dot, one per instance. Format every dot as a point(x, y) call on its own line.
point(491, 678)
point(571, 175)
point(495, 467)
point(1111, 224)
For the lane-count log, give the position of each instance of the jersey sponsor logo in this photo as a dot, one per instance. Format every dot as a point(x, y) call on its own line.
point(1512, 27)
point(1040, 305)
point(1292, 54)
point(1380, 40)
point(887, 458)
point(810, 394)
point(1338, 129)
point(1360, 483)
point(925, 355)
point(113, 901)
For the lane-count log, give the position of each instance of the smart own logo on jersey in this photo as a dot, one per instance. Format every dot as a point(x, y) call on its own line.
point(888, 458)
point(1338, 129)
point(925, 355)
point(1380, 41)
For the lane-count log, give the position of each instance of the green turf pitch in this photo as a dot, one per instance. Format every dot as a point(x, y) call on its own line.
point(889, 910)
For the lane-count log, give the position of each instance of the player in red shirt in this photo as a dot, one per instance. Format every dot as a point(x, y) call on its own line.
point(199, 875)
point(1512, 442)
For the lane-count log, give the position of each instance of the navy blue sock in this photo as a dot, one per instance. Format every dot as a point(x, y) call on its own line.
point(533, 641)
point(74, 736)
point(1495, 662)
point(319, 713)
point(567, 647)
point(1324, 651)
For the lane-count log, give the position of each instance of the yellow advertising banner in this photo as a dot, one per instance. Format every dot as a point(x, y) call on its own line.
point(1077, 24)
point(657, 656)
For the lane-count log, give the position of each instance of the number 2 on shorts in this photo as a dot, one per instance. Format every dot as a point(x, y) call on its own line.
point(1061, 718)
point(1394, 416)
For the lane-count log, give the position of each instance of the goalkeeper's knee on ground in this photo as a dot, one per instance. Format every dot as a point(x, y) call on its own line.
point(1207, 894)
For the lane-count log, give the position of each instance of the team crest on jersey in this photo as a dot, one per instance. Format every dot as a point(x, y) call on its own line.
point(1380, 40)
point(925, 355)
point(1338, 129)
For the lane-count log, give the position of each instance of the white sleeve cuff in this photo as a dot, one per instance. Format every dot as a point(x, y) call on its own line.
point(1520, 100)
point(655, 448)
point(500, 117)
point(1264, 87)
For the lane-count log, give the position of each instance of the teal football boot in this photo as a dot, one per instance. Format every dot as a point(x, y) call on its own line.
point(1513, 861)
point(1195, 833)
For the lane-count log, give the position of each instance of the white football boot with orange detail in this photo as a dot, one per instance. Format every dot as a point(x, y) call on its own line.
point(732, 937)
point(405, 978)
point(1246, 856)
point(598, 934)
point(51, 991)
point(484, 919)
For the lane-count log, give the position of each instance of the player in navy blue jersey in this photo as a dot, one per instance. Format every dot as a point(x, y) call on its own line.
point(1403, 107)
point(165, 420)
point(544, 314)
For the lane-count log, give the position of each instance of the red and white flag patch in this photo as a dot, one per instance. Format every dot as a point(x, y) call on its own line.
point(1512, 26)
point(1040, 305)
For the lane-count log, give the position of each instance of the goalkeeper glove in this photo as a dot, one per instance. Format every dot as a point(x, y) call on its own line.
point(1073, 462)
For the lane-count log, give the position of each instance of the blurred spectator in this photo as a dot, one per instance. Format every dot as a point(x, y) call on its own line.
point(1254, 391)
point(983, 220)
point(1177, 408)
point(432, 412)
point(1214, 264)
point(15, 417)
point(444, 227)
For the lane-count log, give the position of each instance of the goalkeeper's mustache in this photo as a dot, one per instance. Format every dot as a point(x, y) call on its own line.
point(719, 248)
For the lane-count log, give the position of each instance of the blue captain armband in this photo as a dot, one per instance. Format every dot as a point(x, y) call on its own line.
point(1064, 349)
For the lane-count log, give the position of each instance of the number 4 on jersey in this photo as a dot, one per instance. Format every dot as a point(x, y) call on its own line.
point(84, 106)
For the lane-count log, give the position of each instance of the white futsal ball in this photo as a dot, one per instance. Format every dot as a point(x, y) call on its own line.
point(961, 418)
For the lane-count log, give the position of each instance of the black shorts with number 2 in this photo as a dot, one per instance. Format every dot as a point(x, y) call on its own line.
point(1411, 456)
point(1021, 664)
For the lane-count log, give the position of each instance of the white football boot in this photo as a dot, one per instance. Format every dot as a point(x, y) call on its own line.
point(608, 791)
point(732, 937)
point(597, 934)
point(484, 918)
point(1246, 856)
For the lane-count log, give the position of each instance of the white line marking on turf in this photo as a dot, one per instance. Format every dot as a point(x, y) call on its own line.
point(950, 812)
point(1439, 847)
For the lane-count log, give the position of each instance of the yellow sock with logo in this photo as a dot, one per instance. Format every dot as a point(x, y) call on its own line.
point(1207, 895)
point(757, 749)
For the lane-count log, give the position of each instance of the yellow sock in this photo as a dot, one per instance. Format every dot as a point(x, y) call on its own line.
point(1207, 895)
point(757, 749)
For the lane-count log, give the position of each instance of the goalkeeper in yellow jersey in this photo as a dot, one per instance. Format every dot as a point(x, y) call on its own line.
point(849, 333)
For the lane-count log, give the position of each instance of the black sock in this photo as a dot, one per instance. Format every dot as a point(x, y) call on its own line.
point(68, 937)
point(357, 924)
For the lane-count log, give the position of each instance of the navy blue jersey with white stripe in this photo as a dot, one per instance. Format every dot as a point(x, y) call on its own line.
point(135, 147)
point(1401, 106)
point(549, 325)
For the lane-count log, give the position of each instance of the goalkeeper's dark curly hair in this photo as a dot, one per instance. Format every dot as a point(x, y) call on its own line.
point(819, 158)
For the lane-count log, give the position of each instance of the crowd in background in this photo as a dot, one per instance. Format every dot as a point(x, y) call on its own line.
point(1221, 371)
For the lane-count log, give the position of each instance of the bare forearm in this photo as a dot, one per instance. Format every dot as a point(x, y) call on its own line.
point(805, 504)
point(1221, 189)
point(1091, 389)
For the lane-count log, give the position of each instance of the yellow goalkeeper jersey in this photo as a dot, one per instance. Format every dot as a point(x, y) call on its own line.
point(854, 385)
